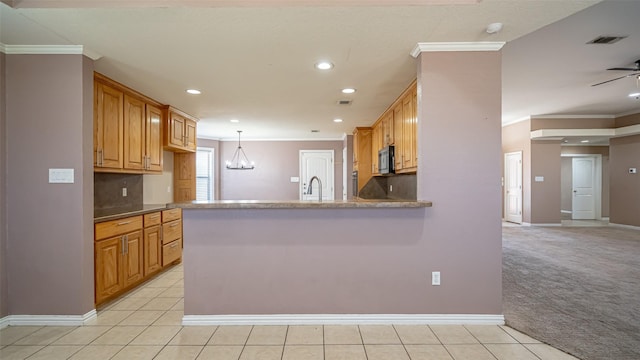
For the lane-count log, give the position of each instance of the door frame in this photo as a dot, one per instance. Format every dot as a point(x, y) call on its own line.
point(333, 171)
point(505, 187)
point(597, 182)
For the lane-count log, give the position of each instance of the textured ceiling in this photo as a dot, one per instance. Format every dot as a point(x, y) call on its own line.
point(255, 64)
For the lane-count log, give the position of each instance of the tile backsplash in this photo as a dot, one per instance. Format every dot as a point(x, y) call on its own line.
point(379, 187)
point(107, 192)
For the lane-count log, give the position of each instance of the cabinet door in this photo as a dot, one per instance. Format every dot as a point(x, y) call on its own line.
point(152, 250)
point(414, 129)
point(134, 133)
point(108, 268)
point(387, 127)
point(190, 134)
point(108, 131)
point(376, 142)
point(184, 177)
point(407, 131)
point(398, 139)
point(176, 130)
point(153, 138)
point(133, 258)
point(355, 150)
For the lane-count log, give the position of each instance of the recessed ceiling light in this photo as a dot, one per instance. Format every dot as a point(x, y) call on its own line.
point(348, 90)
point(634, 94)
point(584, 141)
point(234, 120)
point(324, 65)
point(337, 120)
point(194, 91)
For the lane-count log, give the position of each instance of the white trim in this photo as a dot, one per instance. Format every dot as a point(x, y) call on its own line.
point(604, 218)
point(546, 224)
point(631, 112)
point(4, 322)
point(525, 224)
point(48, 50)
point(566, 212)
point(573, 116)
point(44, 320)
point(456, 46)
point(516, 121)
point(555, 134)
point(344, 319)
point(625, 226)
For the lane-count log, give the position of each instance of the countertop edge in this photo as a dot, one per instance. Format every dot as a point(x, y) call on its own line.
point(146, 210)
point(301, 204)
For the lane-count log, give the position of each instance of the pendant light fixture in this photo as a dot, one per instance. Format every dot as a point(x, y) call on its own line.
point(239, 160)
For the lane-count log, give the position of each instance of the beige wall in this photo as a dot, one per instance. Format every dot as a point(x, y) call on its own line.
point(625, 187)
point(516, 137)
point(628, 120)
point(545, 195)
point(49, 115)
point(154, 187)
point(573, 123)
point(276, 162)
point(461, 105)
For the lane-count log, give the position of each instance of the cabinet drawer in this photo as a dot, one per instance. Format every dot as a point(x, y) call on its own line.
point(171, 252)
point(172, 214)
point(112, 228)
point(152, 219)
point(171, 231)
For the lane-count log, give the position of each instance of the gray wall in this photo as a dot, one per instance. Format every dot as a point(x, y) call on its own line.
point(625, 187)
point(462, 105)
point(276, 162)
point(3, 202)
point(49, 115)
point(546, 195)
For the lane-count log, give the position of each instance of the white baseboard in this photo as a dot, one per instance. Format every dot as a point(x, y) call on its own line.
point(604, 218)
point(546, 225)
point(526, 224)
point(566, 211)
point(42, 320)
point(346, 319)
point(625, 226)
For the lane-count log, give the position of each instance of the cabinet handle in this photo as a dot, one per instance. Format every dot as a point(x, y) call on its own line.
point(122, 244)
point(101, 157)
point(123, 223)
point(126, 244)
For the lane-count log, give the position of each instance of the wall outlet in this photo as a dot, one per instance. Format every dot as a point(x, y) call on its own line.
point(169, 189)
point(633, 171)
point(124, 192)
point(435, 278)
point(390, 188)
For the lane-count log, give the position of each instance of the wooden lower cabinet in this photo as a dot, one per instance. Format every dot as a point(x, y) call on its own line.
point(152, 250)
point(108, 263)
point(130, 250)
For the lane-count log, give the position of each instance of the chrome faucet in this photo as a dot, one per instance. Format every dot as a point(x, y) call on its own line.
point(310, 188)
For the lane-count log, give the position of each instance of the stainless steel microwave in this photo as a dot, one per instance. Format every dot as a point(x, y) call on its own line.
point(386, 160)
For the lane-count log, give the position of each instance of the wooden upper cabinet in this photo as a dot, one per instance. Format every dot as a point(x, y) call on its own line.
point(127, 129)
point(134, 134)
point(108, 133)
point(180, 130)
point(376, 145)
point(398, 140)
point(154, 138)
point(414, 148)
point(362, 137)
point(387, 129)
point(407, 131)
point(184, 177)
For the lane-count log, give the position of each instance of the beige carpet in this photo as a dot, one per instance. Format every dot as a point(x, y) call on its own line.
point(575, 288)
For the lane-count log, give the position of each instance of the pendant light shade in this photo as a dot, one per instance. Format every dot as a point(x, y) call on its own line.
point(240, 160)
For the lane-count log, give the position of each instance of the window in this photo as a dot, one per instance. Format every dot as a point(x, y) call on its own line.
point(204, 174)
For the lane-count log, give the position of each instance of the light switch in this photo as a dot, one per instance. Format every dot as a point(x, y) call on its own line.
point(61, 176)
point(633, 171)
point(539, 178)
point(295, 179)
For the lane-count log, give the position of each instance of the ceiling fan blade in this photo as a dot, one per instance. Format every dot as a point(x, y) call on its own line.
point(618, 78)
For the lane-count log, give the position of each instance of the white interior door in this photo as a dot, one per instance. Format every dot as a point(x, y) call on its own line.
point(316, 163)
point(513, 187)
point(583, 202)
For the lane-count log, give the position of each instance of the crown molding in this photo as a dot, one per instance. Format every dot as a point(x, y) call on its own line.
point(627, 113)
point(456, 46)
point(49, 50)
point(511, 122)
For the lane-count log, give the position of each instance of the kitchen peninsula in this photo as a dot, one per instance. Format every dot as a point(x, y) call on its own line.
point(257, 261)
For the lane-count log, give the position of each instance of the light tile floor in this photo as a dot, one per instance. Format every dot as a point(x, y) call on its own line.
point(146, 324)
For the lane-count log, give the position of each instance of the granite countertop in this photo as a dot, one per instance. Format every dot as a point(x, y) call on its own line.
point(297, 204)
point(100, 215)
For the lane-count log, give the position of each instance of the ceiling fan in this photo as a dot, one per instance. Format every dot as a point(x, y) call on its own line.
point(636, 72)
